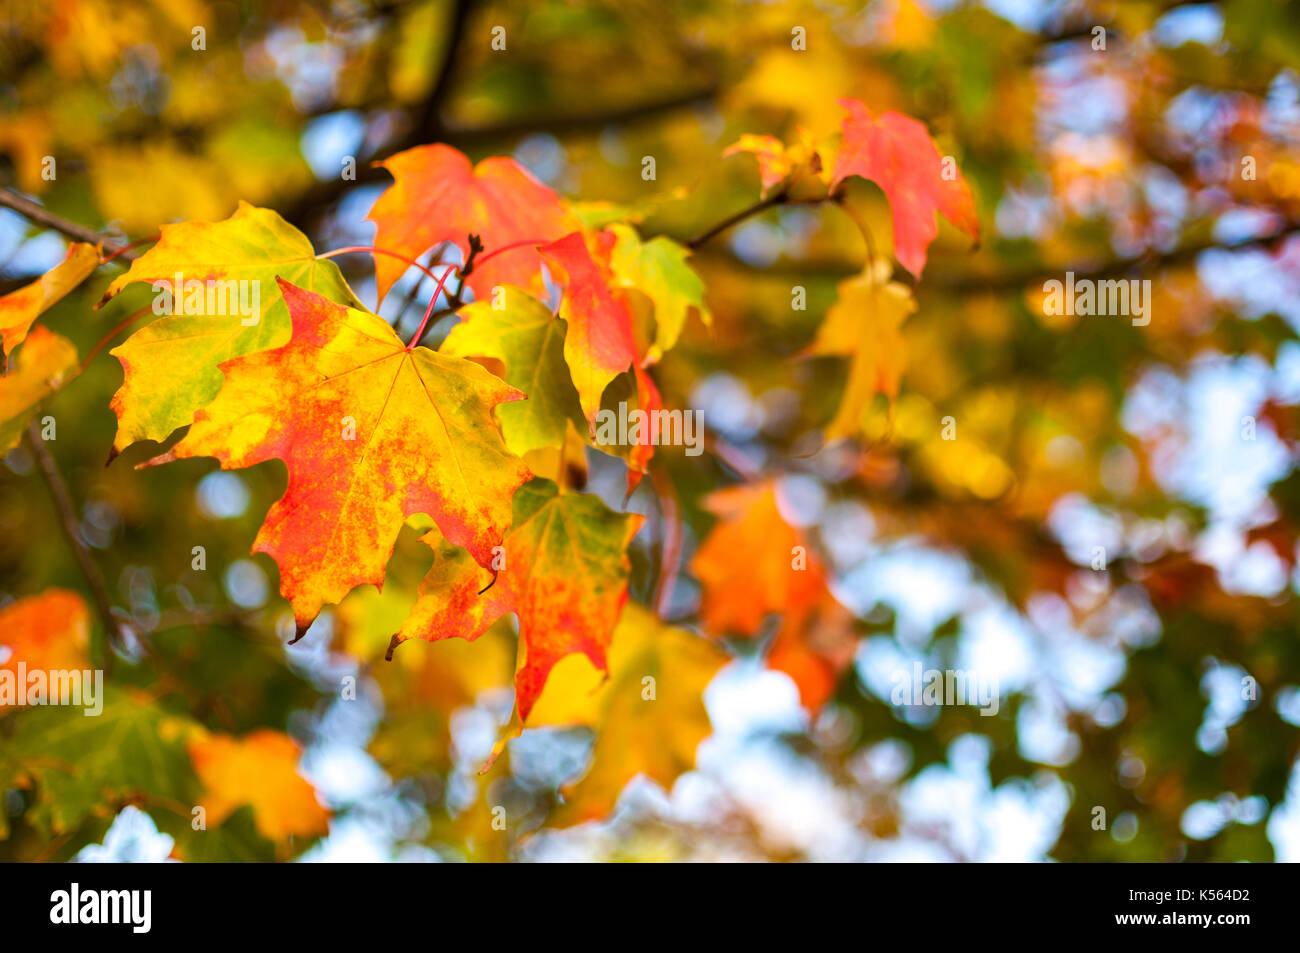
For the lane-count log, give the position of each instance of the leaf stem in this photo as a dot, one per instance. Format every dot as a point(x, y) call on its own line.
point(428, 312)
point(125, 249)
point(471, 262)
point(349, 249)
point(671, 552)
point(127, 321)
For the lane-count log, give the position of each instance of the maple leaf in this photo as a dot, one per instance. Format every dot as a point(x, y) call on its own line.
point(528, 339)
point(599, 344)
point(378, 431)
point(774, 162)
point(897, 153)
point(658, 269)
point(19, 309)
point(170, 367)
point(814, 646)
point(865, 323)
point(798, 165)
point(259, 769)
point(778, 573)
point(47, 632)
point(563, 571)
point(648, 713)
point(77, 766)
point(748, 564)
point(40, 366)
point(437, 196)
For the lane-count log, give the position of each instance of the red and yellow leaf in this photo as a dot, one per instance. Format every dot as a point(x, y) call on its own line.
point(437, 196)
point(897, 153)
point(372, 432)
point(599, 344)
point(170, 367)
point(563, 570)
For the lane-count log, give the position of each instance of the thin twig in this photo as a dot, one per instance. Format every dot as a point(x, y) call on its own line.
point(68, 524)
point(43, 216)
point(761, 206)
point(467, 269)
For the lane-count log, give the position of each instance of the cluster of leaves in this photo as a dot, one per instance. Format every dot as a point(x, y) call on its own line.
point(381, 431)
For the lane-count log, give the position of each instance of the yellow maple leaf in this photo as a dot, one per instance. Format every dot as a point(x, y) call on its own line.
point(865, 324)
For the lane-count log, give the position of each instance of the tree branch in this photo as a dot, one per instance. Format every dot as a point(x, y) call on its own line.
point(761, 206)
point(429, 118)
point(307, 208)
point(40, 215)
point(68, 524)
point(1019, 278)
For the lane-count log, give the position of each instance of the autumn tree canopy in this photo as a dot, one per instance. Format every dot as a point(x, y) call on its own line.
point(504, 431)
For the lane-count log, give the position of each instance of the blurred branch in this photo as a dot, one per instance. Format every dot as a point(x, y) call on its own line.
point(429, 118)
point(1010, 279)
point(43, 216)
point(1021, 277)
point(671, 553)
point(1082, 28)
point(583, 122)
point(68, 524)
point(734, 459)
point(312, 203)
point(758, 207)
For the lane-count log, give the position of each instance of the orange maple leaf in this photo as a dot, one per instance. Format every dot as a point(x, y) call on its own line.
point(814, 646)
point(372, 431)
point(749, 563)
point(259, 769)
point(754, 563)
point(437, 196)
point(46, 632)
point(897, 153)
